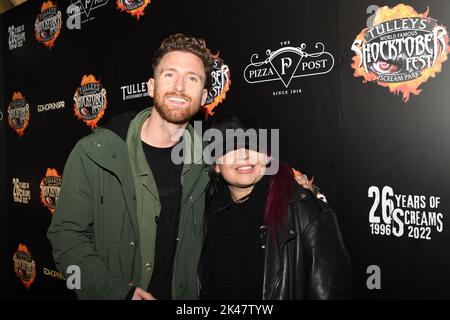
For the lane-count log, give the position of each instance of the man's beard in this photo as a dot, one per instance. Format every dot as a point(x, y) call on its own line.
point(174, 115)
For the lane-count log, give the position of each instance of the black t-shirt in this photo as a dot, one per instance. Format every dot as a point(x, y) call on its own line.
point(168, 181)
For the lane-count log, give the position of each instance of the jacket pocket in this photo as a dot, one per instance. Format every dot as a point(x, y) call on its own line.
point(119, 260)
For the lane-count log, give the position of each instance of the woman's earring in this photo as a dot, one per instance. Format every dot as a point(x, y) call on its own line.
point(268, 159)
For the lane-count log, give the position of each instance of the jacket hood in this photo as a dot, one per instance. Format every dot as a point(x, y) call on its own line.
point(120, 124)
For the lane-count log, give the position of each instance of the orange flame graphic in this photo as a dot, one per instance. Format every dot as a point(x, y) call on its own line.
point(20, 131)
point(407, 88)
point(93, 122)
point(47, 5)
point(51, 43)
point(209, 108)
point(50, 173)
point(137, 13)
point(18, 272)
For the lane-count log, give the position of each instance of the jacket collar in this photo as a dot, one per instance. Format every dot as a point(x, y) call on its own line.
point(192, 138)
point(107, 149)
point(287, 230)
point(140, 168)
point(299, 194)
point(138, 161)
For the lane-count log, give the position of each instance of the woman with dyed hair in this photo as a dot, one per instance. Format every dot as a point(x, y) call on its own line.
point(266, 237)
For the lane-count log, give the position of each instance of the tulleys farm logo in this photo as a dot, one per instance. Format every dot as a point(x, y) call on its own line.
point(90, 101)
point(134, 91)
point(289, 62)
point(24, 265)
point(401, 51)
point(18, 113)
point(50, 188)
point(48, 24)
point(220, 84)
point(134, 7)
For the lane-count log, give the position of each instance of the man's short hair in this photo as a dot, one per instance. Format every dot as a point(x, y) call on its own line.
point(181, 42)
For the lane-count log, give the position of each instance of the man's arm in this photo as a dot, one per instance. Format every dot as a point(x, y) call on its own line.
point(71, 233)
point(305, 182)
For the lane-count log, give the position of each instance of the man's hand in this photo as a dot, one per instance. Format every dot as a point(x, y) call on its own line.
point(302, 179)
point(140, 294)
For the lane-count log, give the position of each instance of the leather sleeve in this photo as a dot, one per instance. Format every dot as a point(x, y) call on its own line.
point(328, 263)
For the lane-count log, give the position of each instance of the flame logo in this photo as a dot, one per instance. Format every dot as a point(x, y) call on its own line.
point(50, 187)
point(90, 101)
point(18, 113)
point(47, 33)
point(134, 7)
point(221, 82)
point(411, 69)
point(24, 266)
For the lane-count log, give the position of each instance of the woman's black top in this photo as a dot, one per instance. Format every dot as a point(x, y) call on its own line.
point(232, 261)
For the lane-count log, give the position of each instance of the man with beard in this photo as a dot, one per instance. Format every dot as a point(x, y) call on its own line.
point(124, 216)
point(127, 215)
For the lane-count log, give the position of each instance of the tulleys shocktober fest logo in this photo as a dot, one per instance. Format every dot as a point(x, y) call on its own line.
point(401, 51)
point(48, 24)
point(50, 188)
point(24, 265)
point(134, 7)
point(220, 84)
point(18, 113)
point(90, 101)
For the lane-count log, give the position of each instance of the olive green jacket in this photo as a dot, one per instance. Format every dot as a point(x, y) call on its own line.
point(104, 221)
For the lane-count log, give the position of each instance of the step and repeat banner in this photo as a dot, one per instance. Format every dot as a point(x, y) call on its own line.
point(359, 92)
point(395, 99)
point(5, 270)
point(57, 88)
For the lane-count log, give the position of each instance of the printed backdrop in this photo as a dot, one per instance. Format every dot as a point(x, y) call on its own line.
point(5, 273)
point(358, 89)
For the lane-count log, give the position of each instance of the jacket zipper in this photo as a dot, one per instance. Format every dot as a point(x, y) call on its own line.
point(180, 240)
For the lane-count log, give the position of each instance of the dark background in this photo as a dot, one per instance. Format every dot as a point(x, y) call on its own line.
point(403, 145)
point(349, 135)
point(5, 270)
